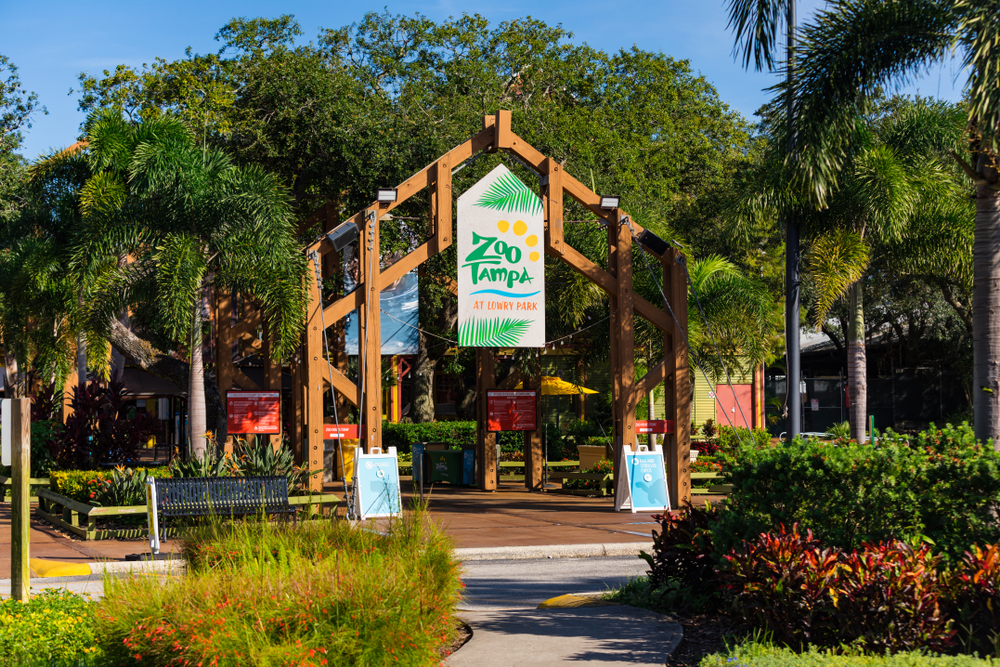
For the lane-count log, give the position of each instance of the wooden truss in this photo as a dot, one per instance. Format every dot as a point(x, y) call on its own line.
point(313, 373)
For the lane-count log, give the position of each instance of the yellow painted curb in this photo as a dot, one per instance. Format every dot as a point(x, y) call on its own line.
point(571, 601)
point(55, 568)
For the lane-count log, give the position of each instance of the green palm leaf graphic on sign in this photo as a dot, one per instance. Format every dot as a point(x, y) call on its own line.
point(492, 332)
point(509, 194)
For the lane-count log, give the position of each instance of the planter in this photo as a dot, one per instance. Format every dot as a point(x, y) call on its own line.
point(590, 455)
point(694, 454)
point(66, 513)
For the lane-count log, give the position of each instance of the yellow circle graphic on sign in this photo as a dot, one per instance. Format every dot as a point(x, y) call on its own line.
point(520, 228)
point(503, 226)
point(534, 256)
point(531, 241)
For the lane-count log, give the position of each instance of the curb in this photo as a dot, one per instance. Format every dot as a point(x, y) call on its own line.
point(553, 551)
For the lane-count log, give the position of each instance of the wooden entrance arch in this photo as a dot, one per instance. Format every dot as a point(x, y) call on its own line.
point(313, 373)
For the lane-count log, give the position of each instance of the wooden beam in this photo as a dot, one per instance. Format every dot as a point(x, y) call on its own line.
point(554, 207)
point(626, 334)
point(342, 384)
point(654, 376)
point(243, 380)
point(313, 366)
point(443, 202)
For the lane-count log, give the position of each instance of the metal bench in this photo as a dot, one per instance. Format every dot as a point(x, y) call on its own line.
point(217, 496)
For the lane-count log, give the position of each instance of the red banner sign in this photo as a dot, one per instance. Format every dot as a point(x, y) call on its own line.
point(334, 432)
point(654, 426)
point(511, 410)
point(253, 411)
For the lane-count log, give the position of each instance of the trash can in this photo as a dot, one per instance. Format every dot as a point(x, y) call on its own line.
point(469, 464)
point(347, 449)
point(445, 466)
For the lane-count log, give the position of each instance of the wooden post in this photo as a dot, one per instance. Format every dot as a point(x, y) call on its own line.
point(312, 379)
point(20, 507)
point(626, 335)
point(678, 386)
point(533, 455)
point(370, 332)
point(486, 442)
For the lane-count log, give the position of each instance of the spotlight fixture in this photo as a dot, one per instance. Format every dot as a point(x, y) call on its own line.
point(343, 236)
point(653, 242)
point(609, 203)
point(386, 195)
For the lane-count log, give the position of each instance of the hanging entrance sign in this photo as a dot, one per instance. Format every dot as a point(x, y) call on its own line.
point(376, 484)
point(501, 273)
point(642, 480)
point(654, 426)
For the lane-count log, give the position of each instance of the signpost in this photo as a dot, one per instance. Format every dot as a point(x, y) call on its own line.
point(511, 410)
point(501, 272)
point(340, 432)
point(654, 426)
point(642, 481)
point(376, 484)
point(253, 412)
point(17, 454)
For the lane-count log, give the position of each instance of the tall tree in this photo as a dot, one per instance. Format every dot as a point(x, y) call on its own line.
point(190, 219)
point(849, 51)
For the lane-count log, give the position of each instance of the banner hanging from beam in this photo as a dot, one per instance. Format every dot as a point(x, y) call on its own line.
point(501, 272)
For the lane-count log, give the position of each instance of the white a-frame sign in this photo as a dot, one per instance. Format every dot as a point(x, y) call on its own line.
point(642, 481)
point(501, 270)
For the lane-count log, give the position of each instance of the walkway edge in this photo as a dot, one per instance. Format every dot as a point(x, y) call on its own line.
point(554, 551)
point(172, 566)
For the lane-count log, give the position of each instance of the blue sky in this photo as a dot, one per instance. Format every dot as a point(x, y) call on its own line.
point(52, 42)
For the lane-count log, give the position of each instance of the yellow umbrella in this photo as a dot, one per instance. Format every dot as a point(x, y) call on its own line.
point(553, 386)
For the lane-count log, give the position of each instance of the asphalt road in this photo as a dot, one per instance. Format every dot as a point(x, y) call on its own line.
point(523, 584)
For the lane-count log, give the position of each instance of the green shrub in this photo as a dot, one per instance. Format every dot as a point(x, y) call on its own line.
point(754, 654)
point(85, 486)
point(604, 466)
point(322, 593)
point(732, 438)
point(944, 488)
point(887, 597)
point(53, 628)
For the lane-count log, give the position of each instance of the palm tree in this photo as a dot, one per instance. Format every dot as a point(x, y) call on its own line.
point(849, 51)
point(189, 219)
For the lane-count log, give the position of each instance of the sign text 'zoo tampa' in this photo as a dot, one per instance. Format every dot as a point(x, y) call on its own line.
point(501, 272)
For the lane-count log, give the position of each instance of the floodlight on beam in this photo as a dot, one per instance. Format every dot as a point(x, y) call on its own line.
point(653, 242)
point(609, 203)
point(343, 236)
point(386, 195)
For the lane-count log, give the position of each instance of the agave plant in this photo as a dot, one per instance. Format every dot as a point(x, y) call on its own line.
point(210, 465)
point(125, 487)
point(260, 459)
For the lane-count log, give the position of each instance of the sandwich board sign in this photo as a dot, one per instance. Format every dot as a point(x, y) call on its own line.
point(642, 480)
point(376, 484)
point(501, 270)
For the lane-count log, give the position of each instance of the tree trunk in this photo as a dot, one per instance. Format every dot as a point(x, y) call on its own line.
point(857, 364)
point(423, 383)
point(197, 418)
point(986, 313)
point(81, 361)
point(167, 367)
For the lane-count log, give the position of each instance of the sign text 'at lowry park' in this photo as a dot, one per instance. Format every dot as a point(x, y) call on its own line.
point(501, 272)
point(253, 412)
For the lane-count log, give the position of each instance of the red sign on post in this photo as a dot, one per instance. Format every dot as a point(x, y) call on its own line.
point(335, 432)
point(654, 426)
point(511, 410)
point(253, 412)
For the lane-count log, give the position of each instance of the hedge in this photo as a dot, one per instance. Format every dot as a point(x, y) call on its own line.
point(455, 433)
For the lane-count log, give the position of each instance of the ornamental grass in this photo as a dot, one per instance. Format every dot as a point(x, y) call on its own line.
point(324, 593)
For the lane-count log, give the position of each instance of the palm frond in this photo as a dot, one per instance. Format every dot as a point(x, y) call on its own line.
point(836, 260)
point(510, 195)
point(756, 24)
point(492, 332)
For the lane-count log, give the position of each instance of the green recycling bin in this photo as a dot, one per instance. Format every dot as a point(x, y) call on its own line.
point(445, 466)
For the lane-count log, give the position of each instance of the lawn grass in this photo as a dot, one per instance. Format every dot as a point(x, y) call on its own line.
point(323, 593)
